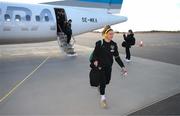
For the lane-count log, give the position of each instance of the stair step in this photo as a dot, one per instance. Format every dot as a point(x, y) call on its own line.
point(62, 41)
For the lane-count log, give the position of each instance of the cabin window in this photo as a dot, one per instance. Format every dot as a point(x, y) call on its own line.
point(38, 18)
point(7, 17)
point(17, 18)
point(28, 18)
point(46, 18)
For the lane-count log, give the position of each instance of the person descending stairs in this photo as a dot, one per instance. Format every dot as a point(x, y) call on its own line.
point(62, 42)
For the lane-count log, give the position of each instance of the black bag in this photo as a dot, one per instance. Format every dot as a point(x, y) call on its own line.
point(124, 44)
point(95, 73)
point(133, 41)
point(94, 76)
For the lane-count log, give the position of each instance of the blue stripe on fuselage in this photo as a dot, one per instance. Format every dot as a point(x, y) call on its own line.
point(104, 1)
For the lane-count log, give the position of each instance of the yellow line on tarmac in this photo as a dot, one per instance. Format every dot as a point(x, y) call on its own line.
point(20, 83)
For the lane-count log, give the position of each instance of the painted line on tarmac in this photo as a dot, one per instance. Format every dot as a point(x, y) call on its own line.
point(79, 47)
point(39, 52)
point(21, 82)
point(157, 44)
point(18, 54)
point(141, 107)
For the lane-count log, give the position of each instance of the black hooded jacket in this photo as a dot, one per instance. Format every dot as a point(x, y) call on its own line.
point(129, 39)
point(104, 53)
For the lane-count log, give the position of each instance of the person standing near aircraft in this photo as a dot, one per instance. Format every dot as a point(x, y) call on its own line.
point(129, 41)
point(102, 58)
point(68, 30)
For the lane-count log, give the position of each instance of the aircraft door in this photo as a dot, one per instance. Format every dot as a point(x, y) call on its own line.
point(60, 19)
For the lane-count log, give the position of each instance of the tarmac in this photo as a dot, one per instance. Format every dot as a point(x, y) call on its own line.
point(38, 79)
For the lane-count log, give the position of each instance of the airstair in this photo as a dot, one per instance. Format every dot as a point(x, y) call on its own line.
point(67, 48)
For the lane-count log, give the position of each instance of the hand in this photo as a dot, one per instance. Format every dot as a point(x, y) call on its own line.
point(124, 71)
point(96, 63)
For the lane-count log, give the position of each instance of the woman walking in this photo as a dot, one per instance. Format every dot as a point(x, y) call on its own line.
point(102, 58)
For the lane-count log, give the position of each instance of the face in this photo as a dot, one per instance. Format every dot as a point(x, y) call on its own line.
point(129, 32)
point(110, 35)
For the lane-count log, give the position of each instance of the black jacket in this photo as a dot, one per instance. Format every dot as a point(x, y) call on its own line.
point(104, 53)
point(68, 30)
point(129, 39)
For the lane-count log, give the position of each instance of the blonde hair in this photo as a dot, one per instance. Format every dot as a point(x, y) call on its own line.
point(105, 28)
point(108, 30)
point(105, 32)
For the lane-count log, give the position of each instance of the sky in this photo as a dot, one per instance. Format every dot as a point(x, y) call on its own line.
point(151, 15)
point(143, 15)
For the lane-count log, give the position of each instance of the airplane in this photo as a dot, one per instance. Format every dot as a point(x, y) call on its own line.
point(31, 23)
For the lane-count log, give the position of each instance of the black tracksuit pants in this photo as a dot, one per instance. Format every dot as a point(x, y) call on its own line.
point(105, 79)
point(128, 54)
point(68, 38)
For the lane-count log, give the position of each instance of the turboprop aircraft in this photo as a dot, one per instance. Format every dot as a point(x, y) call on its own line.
point(30, 23)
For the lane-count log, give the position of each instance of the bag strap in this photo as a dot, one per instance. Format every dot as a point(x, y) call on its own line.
point(90, 58)
point(101, 42)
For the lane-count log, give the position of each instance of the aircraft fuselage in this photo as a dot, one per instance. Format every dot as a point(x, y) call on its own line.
point(22, 23)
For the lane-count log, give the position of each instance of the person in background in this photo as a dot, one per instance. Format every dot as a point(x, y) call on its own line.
point(68, 30)
point(129, 41)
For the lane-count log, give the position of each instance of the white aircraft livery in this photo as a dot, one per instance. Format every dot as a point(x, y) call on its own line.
point(28, 23)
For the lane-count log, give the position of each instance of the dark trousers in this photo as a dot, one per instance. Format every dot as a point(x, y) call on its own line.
point(68, 38)
point(128, 54)
point(105, 79)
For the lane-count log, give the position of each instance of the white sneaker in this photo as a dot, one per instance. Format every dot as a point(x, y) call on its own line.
point(103, 103)
point(127, 60)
